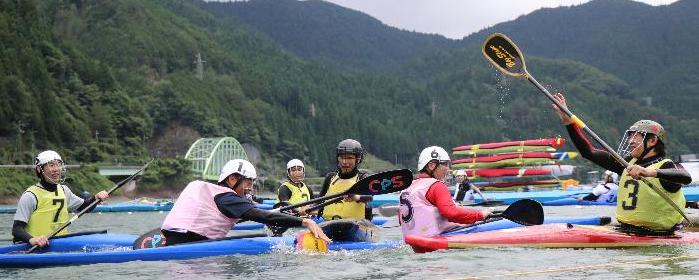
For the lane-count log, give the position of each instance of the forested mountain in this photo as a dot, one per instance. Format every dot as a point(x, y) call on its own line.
point(324, 31)
point(649, 47)
point(108, 80)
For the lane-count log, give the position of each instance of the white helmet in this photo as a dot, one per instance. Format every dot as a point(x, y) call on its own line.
point(460, 172)
point(431, 153)
point(46, 157)
point(294, 162)
point(239, 166)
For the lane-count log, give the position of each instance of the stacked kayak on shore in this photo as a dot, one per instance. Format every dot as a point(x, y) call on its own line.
point(548, 236)
point(513, 165)
point(538, 145)
point(508, 160)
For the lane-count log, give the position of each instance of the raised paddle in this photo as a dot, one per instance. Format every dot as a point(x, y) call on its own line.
point(375, 184)
point(379, 183)
point(524, 212)
point(506, 57)
point(90, 206)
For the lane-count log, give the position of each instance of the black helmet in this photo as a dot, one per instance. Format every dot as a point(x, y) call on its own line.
point(351, 146)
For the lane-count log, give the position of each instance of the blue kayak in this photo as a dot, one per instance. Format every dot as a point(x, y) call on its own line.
point(91, 242)
point(503, 224)
point(249, 246)
point(255, 225)
point(106, 248)
point(574, 201)
point(505, 197)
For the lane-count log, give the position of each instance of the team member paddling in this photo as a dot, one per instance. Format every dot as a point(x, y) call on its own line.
point(294, 190)
point(208, 211)
point(44, 207)
point(639, 208)
point(349, 155)
point(426, 207)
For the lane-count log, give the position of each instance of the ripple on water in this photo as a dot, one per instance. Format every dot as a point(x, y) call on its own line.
point(395, 263)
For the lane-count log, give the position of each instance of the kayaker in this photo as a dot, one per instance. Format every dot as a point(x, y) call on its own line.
point(208, 211)
point(639, 209)
point(294, 190)
point(464, 188)
point(604, 192)
point(349, 155)
point(426, 207)
point(44, 207)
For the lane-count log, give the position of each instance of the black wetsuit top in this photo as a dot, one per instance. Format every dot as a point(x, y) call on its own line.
point(672, 176)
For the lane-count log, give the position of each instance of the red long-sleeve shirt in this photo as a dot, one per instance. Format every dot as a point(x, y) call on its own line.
point(439, 196)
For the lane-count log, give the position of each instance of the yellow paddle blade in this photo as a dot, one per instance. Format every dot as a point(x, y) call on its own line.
point(306, 241)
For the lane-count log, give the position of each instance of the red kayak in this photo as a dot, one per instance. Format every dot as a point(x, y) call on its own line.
point(552, 142)
point(501, 172)
point(556, 156)
point(548, 236)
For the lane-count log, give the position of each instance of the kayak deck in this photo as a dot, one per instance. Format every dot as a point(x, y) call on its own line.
point(548, 236)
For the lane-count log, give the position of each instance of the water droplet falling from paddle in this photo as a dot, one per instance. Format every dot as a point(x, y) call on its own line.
point(504, 96)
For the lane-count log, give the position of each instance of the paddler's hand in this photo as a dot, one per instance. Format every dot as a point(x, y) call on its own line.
point(315, 229)
point(302, 210)
point(486, 213)
point(565, 119)
point(352, 197)
point(637, 172)
point(102, 196)
point(41, 241)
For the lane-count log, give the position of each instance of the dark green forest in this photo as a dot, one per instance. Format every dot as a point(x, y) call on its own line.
point(115, 81)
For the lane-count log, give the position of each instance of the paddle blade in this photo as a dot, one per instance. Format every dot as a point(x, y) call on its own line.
point(152, 239)
point(306, 241)
point(526, 212)
point(383, 183)
point(505, 55)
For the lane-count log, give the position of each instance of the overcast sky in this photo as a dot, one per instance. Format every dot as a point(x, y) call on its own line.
point(454, 18)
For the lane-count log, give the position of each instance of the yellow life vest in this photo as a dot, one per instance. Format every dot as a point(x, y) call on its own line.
point(51, 211)
point(298, 194)
point(343, 209)
point(639, 205)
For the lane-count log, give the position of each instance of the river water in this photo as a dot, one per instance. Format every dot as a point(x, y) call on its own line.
point(667, 262)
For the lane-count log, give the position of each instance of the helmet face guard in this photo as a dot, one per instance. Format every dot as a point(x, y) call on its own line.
point(644, 128)
point(625, 149)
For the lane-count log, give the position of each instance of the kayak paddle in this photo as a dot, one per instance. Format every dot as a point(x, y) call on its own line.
point(375, 184)
point(91, 205)
point(506, 57)
point(379, 183)
point(524, 212)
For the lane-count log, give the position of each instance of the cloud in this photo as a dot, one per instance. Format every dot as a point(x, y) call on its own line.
point(454, 18)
